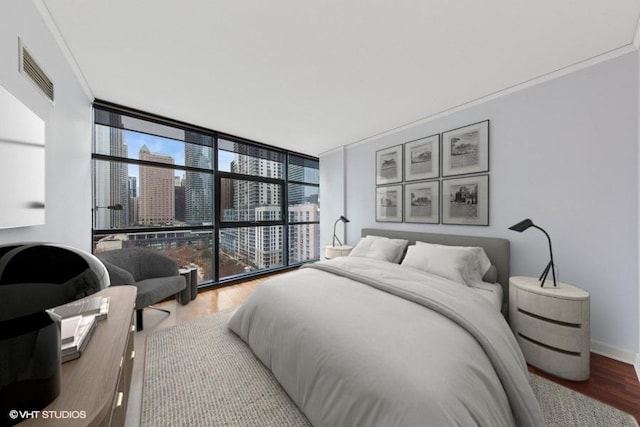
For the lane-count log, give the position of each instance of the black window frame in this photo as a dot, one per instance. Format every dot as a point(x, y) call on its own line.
point(218, 223)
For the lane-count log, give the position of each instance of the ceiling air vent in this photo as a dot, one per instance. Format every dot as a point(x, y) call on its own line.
point(31, 70)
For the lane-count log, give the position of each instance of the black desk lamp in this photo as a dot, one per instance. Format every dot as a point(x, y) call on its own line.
point(343, 219)
point(523, 225)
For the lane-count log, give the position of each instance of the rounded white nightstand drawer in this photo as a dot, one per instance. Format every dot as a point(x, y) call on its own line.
point(337, 251)
point(551, 325)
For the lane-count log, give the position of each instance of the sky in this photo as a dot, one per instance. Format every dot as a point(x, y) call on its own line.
point(171, 147)
point(175, 149)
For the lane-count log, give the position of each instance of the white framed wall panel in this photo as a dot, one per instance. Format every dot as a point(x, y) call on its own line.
point(22, 167)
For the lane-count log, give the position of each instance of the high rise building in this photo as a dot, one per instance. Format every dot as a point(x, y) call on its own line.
point(304, 239)
point(248, 195)
point(133, 200)
point(180, 202)
point(226, 199)
point(300, 172)
point(134, 204)
point(257, 201)
point(133, 186)
point(157, 194)
point(198, 185)
point(111, 177)
point(266, 241)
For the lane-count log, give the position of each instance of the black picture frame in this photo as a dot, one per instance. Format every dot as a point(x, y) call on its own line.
point(422, 202)
point(465, 200)
point(389, 203)
point(422, 158)
point(465, 150)
point(389, 165)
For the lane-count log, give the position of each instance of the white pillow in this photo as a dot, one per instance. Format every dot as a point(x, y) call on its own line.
point(479, 262)
point(381, 248)
point(448, 262)
point(478, 265)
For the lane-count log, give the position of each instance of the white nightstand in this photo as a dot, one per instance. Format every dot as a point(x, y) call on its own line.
point(551, 325)
point(336, 251)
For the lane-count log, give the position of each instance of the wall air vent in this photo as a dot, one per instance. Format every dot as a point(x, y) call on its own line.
point(32, 71)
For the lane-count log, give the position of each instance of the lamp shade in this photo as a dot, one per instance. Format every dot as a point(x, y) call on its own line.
point(522, 225)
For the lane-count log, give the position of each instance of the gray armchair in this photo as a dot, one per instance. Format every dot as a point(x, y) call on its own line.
point(155, 275)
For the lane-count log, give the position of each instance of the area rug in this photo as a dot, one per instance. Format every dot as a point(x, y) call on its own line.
point(201, 374)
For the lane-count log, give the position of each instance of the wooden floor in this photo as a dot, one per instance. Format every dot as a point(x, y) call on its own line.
point(611, 382)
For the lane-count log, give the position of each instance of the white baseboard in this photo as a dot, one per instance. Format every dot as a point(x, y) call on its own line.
point(619, 354)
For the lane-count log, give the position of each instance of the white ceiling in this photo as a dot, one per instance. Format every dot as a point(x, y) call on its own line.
point(313, 76)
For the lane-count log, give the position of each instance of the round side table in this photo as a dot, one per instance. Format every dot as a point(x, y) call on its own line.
point(551, 325)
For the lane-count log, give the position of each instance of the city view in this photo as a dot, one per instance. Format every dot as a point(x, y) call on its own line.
point(158, 192)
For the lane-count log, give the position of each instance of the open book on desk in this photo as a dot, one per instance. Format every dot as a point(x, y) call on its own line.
point(78, 320)
point(96, 306)
point(73, 348)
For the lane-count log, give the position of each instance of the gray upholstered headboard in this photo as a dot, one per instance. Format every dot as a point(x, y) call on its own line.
point(497, 249)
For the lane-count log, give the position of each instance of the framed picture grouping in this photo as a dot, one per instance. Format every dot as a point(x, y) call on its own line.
point(465, 201)
point(438, 179)
point(422, 158)
point(389, 165)
point(389, 203)
point(466, 150)
point(422, 202)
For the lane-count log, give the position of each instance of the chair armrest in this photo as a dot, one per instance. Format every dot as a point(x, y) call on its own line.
point(119, 276)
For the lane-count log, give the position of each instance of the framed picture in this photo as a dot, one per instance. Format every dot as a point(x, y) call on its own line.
point(422, 158)
point(389, 165)
point(465, 200)
point(466, 150)
point(389, 203)
point(422, 202)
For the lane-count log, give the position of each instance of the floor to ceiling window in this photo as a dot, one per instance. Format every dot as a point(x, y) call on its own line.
point(224, 205)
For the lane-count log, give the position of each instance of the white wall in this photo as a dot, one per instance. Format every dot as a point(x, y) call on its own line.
point(333, 194)
point(565, 154)
point(67, 124)
point(637, 362)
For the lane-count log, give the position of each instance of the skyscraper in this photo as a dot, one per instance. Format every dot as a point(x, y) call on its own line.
point(258, 201)
point(157, 194)
point(133, 186)
point(133, 200)
point(198, 185)
point(300, 172)
point(111, 177)
point(304, 239)
point(180, 201)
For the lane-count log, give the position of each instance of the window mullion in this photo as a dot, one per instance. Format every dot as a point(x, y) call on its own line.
point(159, 183)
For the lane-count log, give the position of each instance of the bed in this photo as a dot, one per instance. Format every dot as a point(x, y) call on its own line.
point(387, 337)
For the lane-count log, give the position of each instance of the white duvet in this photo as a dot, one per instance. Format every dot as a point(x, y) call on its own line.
point(356, 342)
